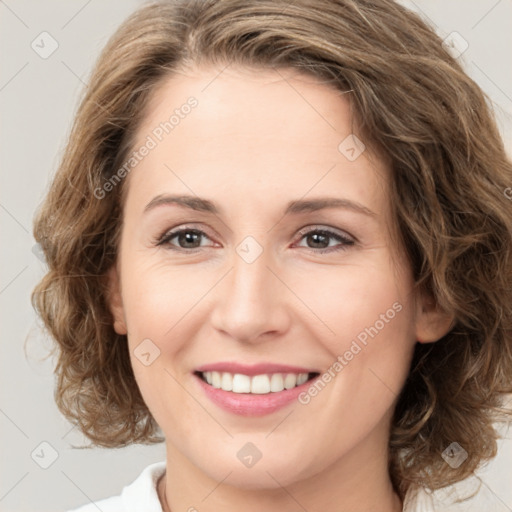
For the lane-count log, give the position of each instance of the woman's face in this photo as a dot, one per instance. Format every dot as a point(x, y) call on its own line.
point(253, 271)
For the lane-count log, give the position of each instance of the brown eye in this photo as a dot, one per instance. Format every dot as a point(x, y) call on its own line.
point(317, 240)
point(185, 239)
point(320, 240)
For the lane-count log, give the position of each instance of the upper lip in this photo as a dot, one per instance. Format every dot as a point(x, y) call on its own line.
point(253, 369)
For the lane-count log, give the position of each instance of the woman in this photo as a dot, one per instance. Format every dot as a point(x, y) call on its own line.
point(279, 237)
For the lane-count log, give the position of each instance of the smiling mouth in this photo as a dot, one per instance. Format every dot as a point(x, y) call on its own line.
point(255, 384)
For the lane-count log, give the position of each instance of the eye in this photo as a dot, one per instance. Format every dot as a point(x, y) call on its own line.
point(185, 238)
point(320, 240)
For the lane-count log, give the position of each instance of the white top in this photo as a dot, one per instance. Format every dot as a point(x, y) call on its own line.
point(141, 495)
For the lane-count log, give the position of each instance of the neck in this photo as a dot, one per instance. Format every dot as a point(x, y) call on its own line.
point(357, 482)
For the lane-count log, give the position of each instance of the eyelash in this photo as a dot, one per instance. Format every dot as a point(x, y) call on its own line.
point(167, 236)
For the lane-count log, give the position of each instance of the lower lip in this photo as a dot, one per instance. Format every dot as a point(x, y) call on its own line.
point(248, 404)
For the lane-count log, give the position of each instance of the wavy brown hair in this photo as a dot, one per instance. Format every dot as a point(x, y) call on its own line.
point(414, 105)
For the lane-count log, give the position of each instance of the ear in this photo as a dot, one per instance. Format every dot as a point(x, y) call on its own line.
point(432, 323)
point(115, 301)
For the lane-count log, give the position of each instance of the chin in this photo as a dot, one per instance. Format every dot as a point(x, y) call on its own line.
point(275, 472)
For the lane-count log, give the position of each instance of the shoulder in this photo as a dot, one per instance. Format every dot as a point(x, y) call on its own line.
point(140, 494)
point(469, 494)
point(113, 504)
point(417, 499)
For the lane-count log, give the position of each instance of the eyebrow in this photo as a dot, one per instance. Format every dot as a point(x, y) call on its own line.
point(293, 207)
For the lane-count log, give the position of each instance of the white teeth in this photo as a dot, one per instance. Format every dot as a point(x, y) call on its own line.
point(226, 382)
point(241, 383)
point(290, 381)
point(216, 382)
point(276, 383)
point(303, 377)
point(258, 384)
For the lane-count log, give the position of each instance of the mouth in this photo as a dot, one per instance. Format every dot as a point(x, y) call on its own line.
point(260, 384)
point(253, 389)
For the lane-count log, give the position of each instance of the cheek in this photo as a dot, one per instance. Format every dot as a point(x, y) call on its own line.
point(157, 297)
point(371, 313)
point(159, 304)
point(164, 310)
point(358, 301)
point(367, 328)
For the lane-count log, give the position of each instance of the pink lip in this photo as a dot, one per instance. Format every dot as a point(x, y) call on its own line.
point(254, 369)
point(248, 404)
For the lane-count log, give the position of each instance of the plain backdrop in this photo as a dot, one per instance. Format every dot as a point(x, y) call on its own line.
point(38, 98)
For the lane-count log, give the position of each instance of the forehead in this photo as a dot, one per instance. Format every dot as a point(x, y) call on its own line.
point(252, 130)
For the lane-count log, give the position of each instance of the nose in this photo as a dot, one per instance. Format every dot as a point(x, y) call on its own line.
point(250, 302)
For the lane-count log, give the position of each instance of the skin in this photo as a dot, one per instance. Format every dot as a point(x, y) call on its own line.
point(257, 140)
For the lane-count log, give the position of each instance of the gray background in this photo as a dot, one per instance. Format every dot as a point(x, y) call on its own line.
point(38, 98)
